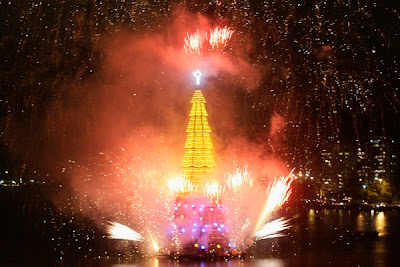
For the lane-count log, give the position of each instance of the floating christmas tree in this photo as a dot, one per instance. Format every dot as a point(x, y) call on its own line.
point(199, 227)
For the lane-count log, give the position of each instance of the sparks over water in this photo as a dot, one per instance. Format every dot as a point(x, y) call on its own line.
point(277, 193)
point(119, 231)
point(272, 229)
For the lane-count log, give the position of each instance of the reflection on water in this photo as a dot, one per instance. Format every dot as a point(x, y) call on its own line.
point(361, 222)
point(372, 221)
point(341, 216)
point(380, 223)
point(270, 262)
point(311, 220)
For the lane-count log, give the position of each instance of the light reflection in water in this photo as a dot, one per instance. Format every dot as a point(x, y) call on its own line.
point(380, 223)
point(340, 222)
point(380, 226)
point(311, 220)
point(361, 222)
point(270, 263)
point(311, 214)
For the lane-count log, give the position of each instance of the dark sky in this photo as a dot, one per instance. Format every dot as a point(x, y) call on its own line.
point(331, 70)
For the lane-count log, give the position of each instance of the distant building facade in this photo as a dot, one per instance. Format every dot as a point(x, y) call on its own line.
point(377, 162)
point(337, 169)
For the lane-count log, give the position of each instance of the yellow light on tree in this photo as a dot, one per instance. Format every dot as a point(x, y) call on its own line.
point(198, 161)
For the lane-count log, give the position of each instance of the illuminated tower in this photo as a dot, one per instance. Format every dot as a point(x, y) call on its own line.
point(198, 161)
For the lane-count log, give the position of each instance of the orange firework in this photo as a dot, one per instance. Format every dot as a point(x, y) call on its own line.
point(193, 43)
point(220, 36)
point(278, 193)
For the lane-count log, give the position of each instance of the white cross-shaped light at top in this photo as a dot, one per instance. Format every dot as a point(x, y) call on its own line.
point(197, 74)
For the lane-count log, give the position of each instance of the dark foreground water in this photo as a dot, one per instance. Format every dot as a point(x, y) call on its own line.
point(326, 237)
point(33, 234)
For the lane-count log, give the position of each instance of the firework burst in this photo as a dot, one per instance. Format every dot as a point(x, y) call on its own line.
point(217, 38)
point(237, 178)
point(220, 36)
point(212, 190)
point(193, 43)
point(180, 185)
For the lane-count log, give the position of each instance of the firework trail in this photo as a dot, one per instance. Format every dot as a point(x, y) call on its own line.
point(278, 193)
point(119, 231)
point(272, 229)
point(154, 244)
point(238, 191)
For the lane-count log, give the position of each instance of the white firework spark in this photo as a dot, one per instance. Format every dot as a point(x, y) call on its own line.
point(120, 231)
point(272, 229)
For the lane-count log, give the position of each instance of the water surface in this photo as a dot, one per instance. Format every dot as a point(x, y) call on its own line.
point(326, 237)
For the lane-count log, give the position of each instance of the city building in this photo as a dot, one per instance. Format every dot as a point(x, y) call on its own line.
point(337, 170)
point(377, 164)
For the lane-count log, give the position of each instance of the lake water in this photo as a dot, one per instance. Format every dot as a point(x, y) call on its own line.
point(324, 237)
point(327, 237)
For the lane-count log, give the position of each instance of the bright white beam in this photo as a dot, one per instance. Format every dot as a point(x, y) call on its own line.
point(197, 74)
point(119, 231)
point(273, 229)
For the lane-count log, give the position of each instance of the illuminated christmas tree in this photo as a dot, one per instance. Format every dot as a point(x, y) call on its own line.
point(198, 161)
point(199, 228)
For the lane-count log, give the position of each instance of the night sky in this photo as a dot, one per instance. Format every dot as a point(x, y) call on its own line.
point(329, 69)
